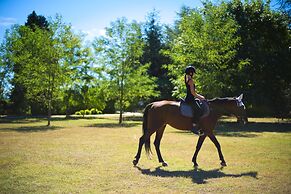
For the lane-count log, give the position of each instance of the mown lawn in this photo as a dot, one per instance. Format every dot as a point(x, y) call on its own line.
point(95, 156)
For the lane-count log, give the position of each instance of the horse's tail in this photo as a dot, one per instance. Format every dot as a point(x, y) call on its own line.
point(147, 140)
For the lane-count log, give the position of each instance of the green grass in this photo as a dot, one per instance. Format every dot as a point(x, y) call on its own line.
point(95, 156)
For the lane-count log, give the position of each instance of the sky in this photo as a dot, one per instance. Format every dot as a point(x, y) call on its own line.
point(89, 16)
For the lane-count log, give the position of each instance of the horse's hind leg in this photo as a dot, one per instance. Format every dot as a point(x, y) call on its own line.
point(140, 144)
point(142, 140)
point(157, 142)
point(216, 143)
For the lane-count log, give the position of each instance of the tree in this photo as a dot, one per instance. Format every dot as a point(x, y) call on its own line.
point(205, 38)
point(20, 104)
point(119, 52)
point(5, 77)
point(154, 44)
point(39, 55)
point(36, 21)
point(265, 41)
point(80, 75)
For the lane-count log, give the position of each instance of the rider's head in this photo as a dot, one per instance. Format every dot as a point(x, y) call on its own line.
point(190, 70)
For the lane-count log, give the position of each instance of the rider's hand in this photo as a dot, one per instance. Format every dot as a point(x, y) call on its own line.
point(201, 97)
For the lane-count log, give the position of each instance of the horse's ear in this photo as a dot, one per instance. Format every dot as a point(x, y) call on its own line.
point(240, 97)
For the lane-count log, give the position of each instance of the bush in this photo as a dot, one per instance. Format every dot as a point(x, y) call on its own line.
point(93, 111)
point(82, 112)
point(87, 112)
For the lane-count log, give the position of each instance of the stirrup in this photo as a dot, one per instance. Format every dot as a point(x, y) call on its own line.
point(198, 132)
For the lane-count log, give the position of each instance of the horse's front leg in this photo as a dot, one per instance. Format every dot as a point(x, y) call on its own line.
point(216, 143)
point(198, 147)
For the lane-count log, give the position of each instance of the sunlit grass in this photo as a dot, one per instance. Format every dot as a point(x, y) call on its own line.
point(95, 156)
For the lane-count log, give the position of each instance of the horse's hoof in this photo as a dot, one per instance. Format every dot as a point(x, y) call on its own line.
point(223, 164)
point(134, 162)
point(195, 165)
point(164, 164)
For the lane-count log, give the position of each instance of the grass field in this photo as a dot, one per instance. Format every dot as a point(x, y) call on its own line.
point(95, 156)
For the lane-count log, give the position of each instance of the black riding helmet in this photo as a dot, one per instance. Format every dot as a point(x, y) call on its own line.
point(190, 69)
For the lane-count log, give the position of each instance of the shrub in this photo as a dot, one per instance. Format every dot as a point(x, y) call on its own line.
point(78, 113)
point(93, 111)
point(87, 112)
point(82, 112)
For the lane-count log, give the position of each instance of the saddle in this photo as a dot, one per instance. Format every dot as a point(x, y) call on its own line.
point(187, 111)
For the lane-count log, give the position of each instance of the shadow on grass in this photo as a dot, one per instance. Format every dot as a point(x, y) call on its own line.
point(34, 119)
point(20, 120)
point(232, 129)
point(114, 125)
point(236, 130)
point(32, 128)
point(198, 176)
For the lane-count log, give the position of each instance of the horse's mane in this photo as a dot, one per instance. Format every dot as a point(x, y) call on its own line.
point(221, 100)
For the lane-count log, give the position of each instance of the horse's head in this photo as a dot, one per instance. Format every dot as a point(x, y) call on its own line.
point(231, 106)
point(240, 110)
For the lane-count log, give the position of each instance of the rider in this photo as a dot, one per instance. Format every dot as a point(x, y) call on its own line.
point(190, 98)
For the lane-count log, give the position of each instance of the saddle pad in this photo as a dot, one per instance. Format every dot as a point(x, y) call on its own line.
point(187, 111)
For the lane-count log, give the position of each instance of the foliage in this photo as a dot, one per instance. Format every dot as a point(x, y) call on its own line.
point(206, 39)
point(37, 56)
point(265, 41)
point(119, 52)
point(154, 44)
point(36, 21)
point(237, 47)
point(92, 111)
point(82, 89)
point(21, 104)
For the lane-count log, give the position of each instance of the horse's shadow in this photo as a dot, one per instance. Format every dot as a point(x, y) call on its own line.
point(198, 176)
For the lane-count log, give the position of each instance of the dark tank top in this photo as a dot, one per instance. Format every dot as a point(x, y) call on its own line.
point(189, 96)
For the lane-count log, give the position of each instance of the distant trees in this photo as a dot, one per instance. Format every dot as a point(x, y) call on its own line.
point(237, 46)
point(119, 53)
point(38, 59)
point(207, 39)
point(155, 43)
point(20, 103)
point(264, 45)
point(35, 54)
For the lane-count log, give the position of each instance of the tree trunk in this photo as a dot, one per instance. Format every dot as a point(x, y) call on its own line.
point(68, 105)
point(49, 114)
point(121, 107)
point(120, 117)
point(121, 99)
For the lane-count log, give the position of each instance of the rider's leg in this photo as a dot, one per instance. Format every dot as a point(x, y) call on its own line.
point(196, 119)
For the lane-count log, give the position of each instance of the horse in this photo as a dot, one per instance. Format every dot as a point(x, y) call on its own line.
point(161, 113)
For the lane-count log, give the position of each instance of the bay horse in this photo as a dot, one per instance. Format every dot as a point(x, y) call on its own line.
point(158, 114)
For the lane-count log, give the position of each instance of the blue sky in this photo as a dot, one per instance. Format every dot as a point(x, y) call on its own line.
point(89, 16)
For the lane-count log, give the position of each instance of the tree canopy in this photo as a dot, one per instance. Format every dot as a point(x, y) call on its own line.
point(119, 53)
point(236, 46)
